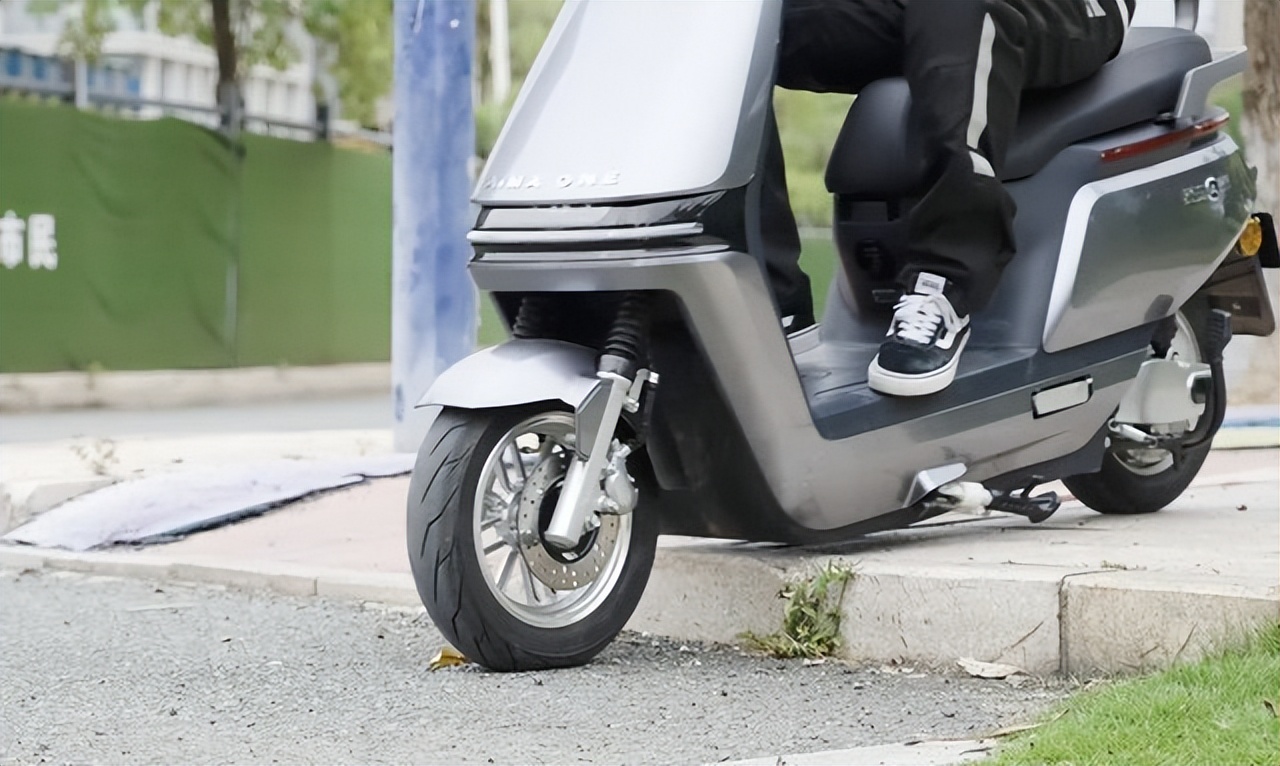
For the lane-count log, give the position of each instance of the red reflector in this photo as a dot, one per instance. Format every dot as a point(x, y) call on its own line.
point(1202, 128)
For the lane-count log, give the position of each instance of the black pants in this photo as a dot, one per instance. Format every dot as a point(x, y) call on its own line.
point(967, 63)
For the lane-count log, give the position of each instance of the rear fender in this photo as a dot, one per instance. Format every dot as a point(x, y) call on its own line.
point(1238, 287)
point(516, 372)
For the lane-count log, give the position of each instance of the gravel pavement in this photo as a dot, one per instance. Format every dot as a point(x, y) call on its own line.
point(104, 670)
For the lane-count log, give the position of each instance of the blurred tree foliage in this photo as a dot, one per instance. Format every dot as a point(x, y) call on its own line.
point(356, 32)
point(529, 21)
point(809, 123)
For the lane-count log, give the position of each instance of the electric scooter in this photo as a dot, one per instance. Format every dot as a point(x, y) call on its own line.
point(649, 388)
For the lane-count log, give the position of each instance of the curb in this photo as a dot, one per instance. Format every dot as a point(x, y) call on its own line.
point(286, 579)
point(159, 389)
point(1044, 620)
point(1247, 437)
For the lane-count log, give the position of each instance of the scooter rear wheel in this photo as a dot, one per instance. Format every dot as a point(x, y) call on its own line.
point(480, 498)
point(1119, 489)
point(1133, 481)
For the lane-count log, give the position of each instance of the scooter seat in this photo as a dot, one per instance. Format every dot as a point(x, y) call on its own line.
point(877, 154)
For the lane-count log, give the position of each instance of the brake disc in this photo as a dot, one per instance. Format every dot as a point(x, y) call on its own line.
point(559, 570)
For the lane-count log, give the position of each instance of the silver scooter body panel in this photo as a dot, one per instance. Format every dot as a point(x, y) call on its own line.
point(825, 483)
point(632, 124)
point(822, 484)
point(1137, 245)
point(832, 453)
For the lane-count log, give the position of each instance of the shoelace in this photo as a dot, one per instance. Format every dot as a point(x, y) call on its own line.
point(916, 317)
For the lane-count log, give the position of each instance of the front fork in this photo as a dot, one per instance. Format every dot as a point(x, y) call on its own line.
point(597, 479)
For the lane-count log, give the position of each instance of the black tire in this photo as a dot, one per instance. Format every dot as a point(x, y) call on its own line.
point(1119, 489)
point(446, 566)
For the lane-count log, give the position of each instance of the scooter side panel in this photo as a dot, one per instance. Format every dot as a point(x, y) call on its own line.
point(602, 118)
point(1139, 244)
point(820, 484)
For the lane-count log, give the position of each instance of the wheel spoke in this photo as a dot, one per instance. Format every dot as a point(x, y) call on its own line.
point(515, 450)
point(507, 569)
point(500, 475)
point(520, 478)
point(529, 590)
point(548, 593)
point(493, 510)
point(539, 450)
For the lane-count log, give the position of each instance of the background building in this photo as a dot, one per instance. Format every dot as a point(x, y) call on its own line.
point(142, 62)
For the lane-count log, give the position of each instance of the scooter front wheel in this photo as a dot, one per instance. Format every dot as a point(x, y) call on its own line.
point(482, 493)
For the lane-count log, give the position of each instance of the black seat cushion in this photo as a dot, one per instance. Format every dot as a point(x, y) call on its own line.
point(878, 157)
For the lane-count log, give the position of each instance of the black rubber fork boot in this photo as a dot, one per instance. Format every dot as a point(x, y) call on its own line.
point(626, 350)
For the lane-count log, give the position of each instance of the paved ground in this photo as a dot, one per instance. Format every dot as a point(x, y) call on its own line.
point(363, 528)
point(117, 671)
point(1081, 594)
point(358, 412)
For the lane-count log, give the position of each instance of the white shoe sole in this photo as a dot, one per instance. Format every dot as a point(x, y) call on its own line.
point(901, 384)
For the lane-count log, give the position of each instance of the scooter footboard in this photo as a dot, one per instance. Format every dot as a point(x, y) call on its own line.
point(516, 372)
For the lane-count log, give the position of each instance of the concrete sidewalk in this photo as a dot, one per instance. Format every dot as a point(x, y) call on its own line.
point(1080, 594)
point(159, 389)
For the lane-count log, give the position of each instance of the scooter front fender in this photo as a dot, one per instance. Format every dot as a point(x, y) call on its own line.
point(516, 372)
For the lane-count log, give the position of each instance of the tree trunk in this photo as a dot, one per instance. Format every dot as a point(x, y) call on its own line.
point(499, 50)
point(1261, 124)
point(230, 105)
point(1253, 381)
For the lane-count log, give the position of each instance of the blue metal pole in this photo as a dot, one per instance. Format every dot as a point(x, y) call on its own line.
point(433, 311)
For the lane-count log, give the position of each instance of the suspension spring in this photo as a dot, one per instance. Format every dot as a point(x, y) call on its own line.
point(534, 319)
point(626, 349)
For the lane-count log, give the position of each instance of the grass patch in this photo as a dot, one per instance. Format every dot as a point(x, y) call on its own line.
point(1220, 710)
point(491, 330)
point(819, 260)
point(811, 619)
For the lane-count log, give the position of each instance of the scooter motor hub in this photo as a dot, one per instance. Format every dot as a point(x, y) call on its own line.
point(559, 570)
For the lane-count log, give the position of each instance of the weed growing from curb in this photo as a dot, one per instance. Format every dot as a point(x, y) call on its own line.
point(811, 618)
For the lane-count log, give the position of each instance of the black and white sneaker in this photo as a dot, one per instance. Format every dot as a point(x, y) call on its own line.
point(924, 345)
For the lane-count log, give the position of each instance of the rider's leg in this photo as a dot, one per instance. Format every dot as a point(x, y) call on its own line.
point(964, 61)
point(779, 238)
point(967, 62)
point(835, 46)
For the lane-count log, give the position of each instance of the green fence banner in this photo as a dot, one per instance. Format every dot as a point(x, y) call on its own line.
point(161, 245)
